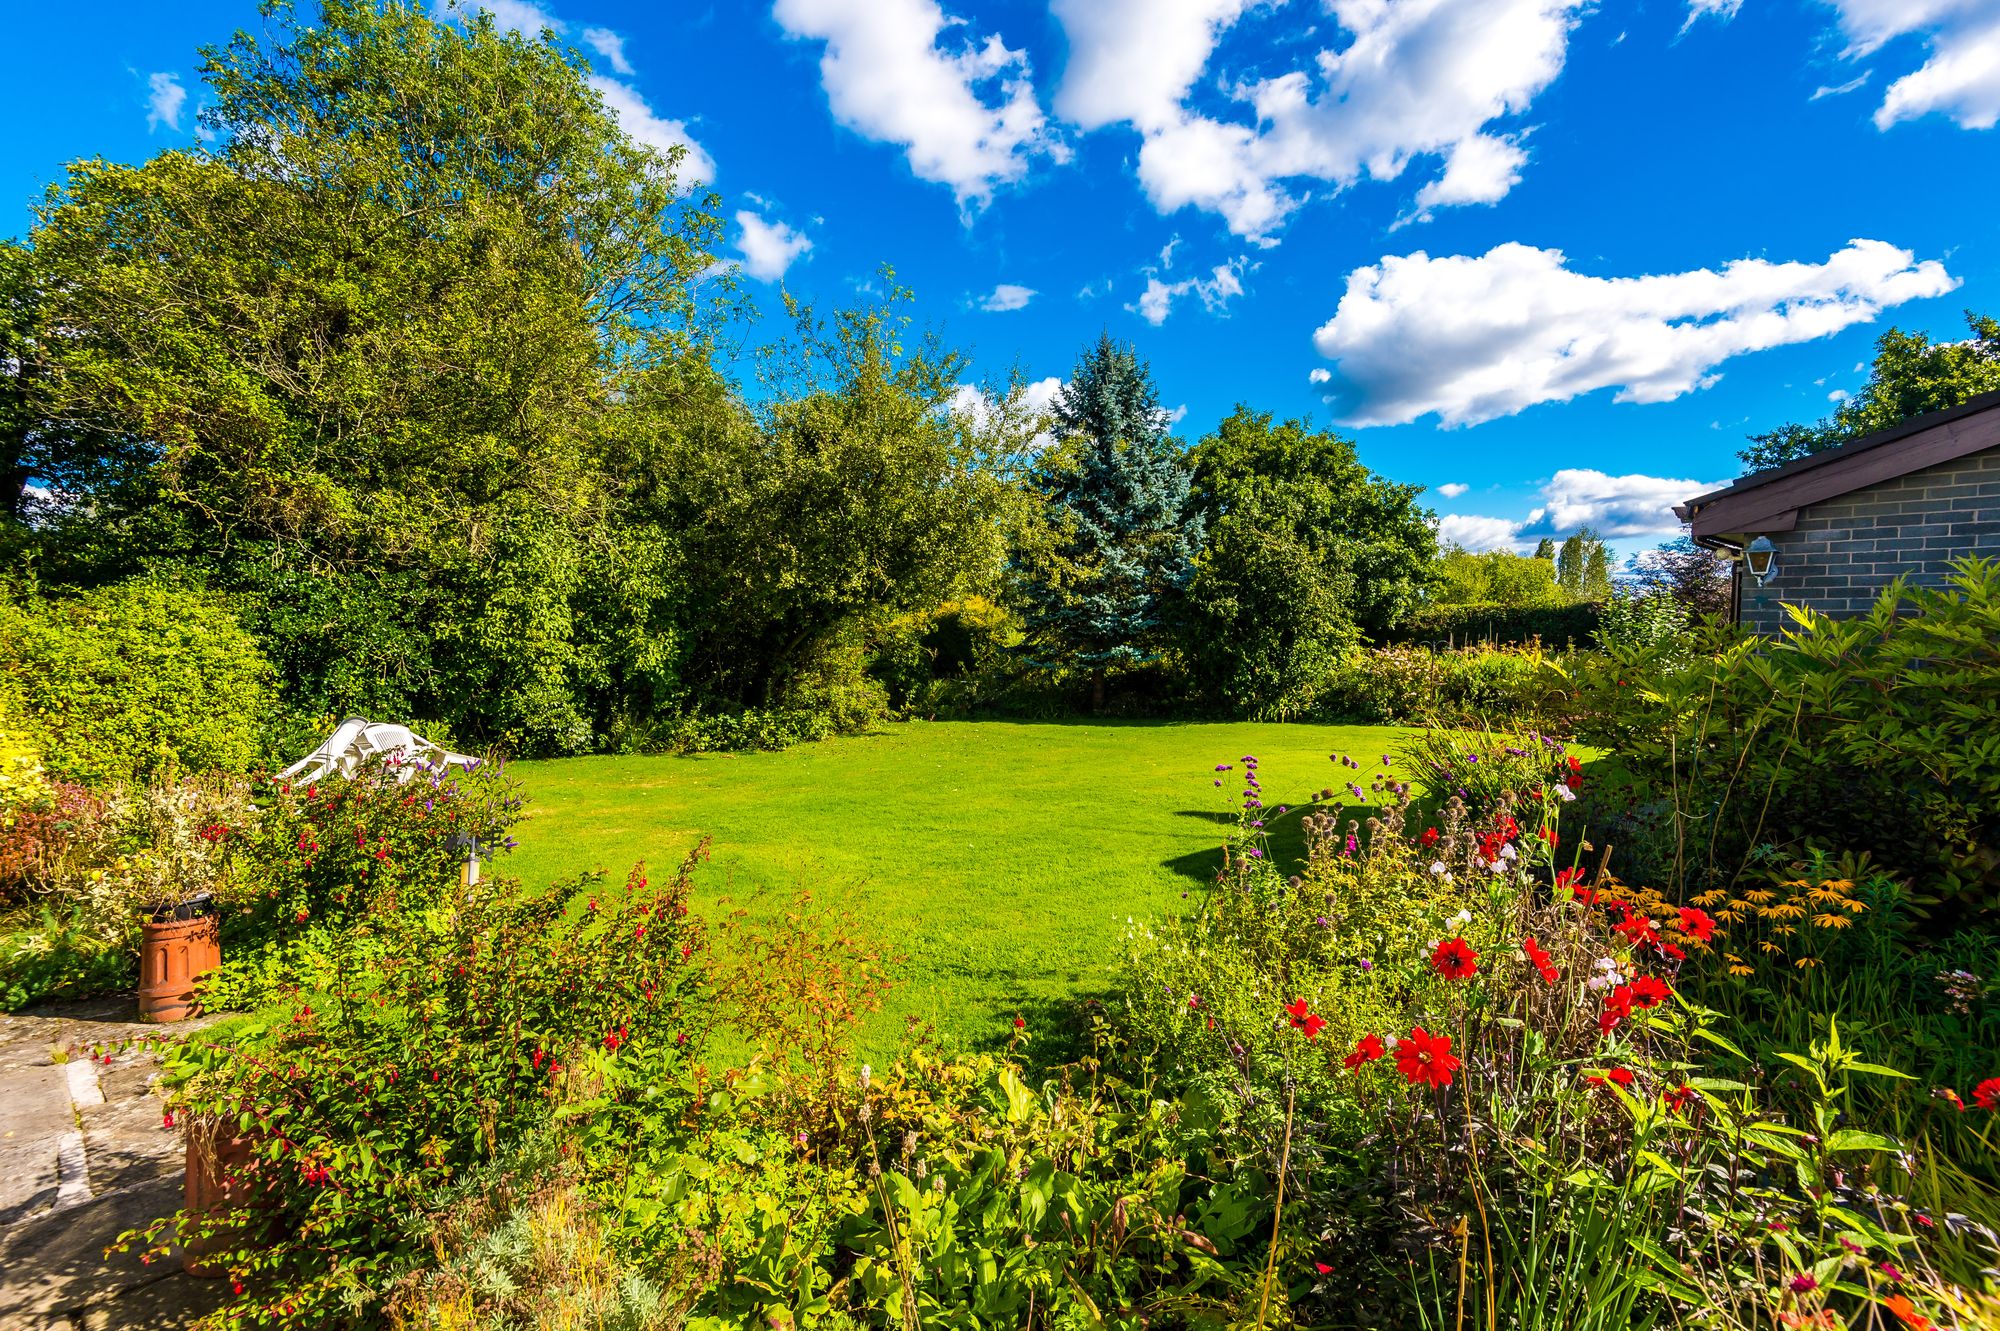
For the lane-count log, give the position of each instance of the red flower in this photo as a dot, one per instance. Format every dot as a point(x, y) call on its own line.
point(1366, 1050)
point(1649, 991)
point(1574, 763)
point(1455, 960)
point(1549, 835)
point(1574, 780)
point(1322, 1268)
point(1669, 950)
point(1303, 1019)
point(1426, 1059)
point(1987, 1094)
point(1697, 923)
point(1616, 1076)
point(1637, 928)
point(1677, 1098)
point(1616, 1008)
point(616, 1038)
point(1020, 1023)
point(1429, 838)
point(301, 918)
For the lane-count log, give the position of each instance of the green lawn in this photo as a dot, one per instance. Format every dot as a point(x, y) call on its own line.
point(1000, 859)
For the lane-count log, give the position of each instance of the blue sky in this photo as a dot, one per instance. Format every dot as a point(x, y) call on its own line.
point(1564, 255)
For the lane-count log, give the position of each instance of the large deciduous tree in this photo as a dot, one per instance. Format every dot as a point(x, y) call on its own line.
point(1911, 375)
point(1121, 531)
point(369, 344)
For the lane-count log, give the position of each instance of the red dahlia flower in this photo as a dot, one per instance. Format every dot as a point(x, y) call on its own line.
point(1649, 991)
point(1987, 1094)
point(1677, 1098)
point(1697, 923)
point(1303, 1019)
point(1616, 1076)
point(1429, 838)
point(1455, 960)
point(1616, 1008)
point(1426, 1059)
point(1366, 1050)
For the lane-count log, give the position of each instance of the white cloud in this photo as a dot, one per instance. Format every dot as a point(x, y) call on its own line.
point(611, 46)
point(1320, 375)
point(1480, 169)
point(1177, 415)
point(768, 248)
point(1007, 296)
point(1841, 90)
point(1157, 301)
point(1477, 533)
point(1453, 489)
point(520, 16)
point(164, 99)
point(1421, 78)
point(1615, 507)
point(1135, 60)
point(887, 79)
point(1960, 76)
point(1472, 338)
point(639, 120)
point(1837, 396)
point(1724, 10)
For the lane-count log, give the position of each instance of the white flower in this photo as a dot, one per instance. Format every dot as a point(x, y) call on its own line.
point(1595, 982)
point(1507, 852)
point(1463, 917)
point(1498, 866)
point(864, 1076)
point(1605, 963)
point(1565, 794)
point(1437, 867)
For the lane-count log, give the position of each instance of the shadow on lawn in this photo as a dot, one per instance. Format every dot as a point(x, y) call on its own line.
point(1286, 834)
point(1058, 1029)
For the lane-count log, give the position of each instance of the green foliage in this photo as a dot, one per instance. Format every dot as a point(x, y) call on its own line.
point(437, 1047)
point(1415, 685)
point(58, 954)
point(1583, 567)
point(1495, 578)
point(1812, 736)
point(389, 839)
point(1266, 620)
point(1638, 621)
point(134, 678)
point(1463, 625)
point(1369, 535)
point(1911, 375)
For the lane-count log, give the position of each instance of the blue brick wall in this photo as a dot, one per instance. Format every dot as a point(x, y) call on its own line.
point(1847, 549)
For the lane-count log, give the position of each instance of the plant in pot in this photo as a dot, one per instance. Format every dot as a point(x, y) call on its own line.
point(173, 866)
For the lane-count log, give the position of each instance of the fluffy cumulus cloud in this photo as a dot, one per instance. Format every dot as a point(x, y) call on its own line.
point(1473, 532)
point(610, 47)
point(904, 72)
point(1469, 338)
point(1615, 507)
point(767, 247)
point(164, 99)
point(1453, 489)
point(1960, 76)
point(1419, 79)
point(1157, 301)
point(1007, 296)
point(1037, 397)
point(638, 119)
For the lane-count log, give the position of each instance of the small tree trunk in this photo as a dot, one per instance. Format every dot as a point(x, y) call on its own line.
point(1097, 690)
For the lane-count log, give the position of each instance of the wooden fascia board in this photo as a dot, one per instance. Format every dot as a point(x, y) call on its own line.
point(1945, 442)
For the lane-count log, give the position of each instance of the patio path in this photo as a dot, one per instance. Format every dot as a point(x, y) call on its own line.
point(84, 1156)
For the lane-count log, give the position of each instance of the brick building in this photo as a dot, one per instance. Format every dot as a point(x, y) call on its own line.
point(1839, 526)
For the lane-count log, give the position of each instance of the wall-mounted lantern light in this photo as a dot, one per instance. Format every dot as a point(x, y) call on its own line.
point(1761, 558)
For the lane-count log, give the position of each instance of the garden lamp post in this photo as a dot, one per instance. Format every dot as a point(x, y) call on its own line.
point(468, 872)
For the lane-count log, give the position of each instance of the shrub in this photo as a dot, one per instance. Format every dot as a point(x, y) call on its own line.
point(135, 678)
point(432, 1056)
point(1417, 685)
point(1573, 625)
point(1745, 742)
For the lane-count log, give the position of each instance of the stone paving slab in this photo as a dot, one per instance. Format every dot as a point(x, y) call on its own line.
point(85, 1156)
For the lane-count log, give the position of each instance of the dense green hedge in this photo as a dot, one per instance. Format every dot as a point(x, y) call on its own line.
point(128, 679)
point(1460, 625)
